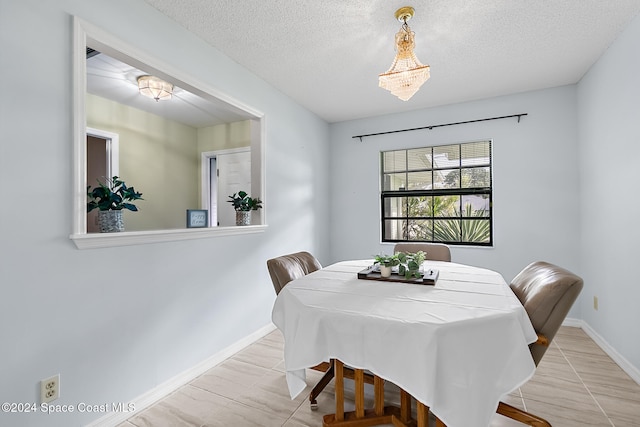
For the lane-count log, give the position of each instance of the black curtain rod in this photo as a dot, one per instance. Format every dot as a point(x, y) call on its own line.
point(442, 125)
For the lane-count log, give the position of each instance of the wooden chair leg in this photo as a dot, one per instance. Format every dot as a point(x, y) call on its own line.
point(521, 416)
point(329, 373)
point(326, 379)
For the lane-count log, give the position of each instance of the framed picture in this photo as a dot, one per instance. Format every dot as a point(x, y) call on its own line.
point(197, 218)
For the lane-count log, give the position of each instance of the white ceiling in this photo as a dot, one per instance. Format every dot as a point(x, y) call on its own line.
point(113, 79)
point(326, 55)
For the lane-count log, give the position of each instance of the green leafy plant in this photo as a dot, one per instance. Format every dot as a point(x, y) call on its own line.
point(410, 264)
point(387, 260)
point(242, 202)
point(112, 195)
point(466, 230)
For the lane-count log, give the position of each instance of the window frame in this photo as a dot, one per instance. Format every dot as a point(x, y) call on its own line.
point(386, 195)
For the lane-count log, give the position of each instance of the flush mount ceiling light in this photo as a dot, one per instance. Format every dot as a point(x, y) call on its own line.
point(155, 88)
point(406, 74)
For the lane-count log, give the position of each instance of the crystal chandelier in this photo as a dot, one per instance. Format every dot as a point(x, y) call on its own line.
point(406, 74)
point(154, 88)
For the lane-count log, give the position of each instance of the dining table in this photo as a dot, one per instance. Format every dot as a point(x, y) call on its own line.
point(457, 346)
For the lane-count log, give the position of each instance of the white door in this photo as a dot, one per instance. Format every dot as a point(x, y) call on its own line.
point(233, 176)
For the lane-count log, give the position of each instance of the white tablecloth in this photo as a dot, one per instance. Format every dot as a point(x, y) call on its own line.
point(458, 346)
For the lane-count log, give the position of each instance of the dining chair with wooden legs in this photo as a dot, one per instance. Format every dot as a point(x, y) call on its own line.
point(283, 270)
point(547, 293)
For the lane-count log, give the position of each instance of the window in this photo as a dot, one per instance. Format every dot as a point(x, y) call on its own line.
point(437, 194)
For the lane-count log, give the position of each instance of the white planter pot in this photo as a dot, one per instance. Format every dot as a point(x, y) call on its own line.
point(385, 271)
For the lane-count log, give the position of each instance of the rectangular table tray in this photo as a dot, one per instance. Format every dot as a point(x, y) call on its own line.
point(373, 273)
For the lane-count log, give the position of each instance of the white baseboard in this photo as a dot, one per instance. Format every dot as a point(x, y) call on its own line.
point(574, 323)
point(147, 399)
point(620, 360)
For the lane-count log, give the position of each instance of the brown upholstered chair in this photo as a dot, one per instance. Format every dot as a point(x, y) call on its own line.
point(289, 267)
point(283, 270)
point(547, 293)
point(434, 251)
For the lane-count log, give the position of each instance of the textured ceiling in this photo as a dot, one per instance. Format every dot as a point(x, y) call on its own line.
point(326, 55)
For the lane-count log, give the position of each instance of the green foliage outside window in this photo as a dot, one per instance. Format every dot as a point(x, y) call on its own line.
point(438, 194)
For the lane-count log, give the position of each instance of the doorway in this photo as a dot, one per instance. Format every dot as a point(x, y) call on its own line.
point(102, 162)
point(225, 172)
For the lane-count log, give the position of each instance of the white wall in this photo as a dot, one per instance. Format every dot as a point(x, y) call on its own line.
point(609, 111)
point(535, 203)
point(116, 333)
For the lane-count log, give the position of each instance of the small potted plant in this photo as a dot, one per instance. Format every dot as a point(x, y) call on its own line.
point(243, 205)
point(410, 264)
point(110, 198)
point(386, 262)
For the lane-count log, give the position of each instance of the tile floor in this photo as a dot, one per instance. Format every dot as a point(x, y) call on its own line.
point(576, 384)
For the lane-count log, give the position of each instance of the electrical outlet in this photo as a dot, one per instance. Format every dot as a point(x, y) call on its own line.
point(595, 303)
point(50, 389)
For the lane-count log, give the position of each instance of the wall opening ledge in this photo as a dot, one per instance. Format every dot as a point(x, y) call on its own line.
point(128, 238)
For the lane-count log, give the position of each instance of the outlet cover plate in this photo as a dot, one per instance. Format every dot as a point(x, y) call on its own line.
point(50, 389)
